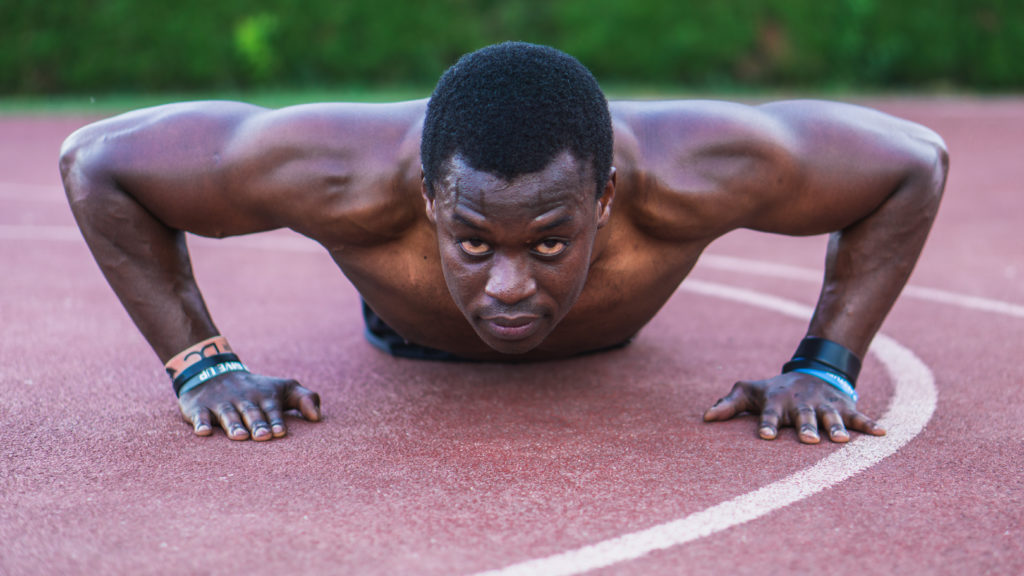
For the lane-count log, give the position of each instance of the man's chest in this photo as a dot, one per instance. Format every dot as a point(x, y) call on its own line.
point(626, 285)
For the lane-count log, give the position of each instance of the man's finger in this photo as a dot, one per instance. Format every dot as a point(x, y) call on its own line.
point(807, 425)
point(736, 402)
point(200, 420)
point(768, 428)
point(254, 420)
point(862, 423)
point(231, 422)
point(274, 417)
point(305, 401)
point(832, 422)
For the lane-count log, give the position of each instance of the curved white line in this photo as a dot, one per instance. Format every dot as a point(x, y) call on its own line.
point(39, 232)
point(270, 241)
point(16, 189)
point(911, 408)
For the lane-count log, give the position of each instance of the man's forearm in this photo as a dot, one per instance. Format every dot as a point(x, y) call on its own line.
point(869, 262)
point(145, 262)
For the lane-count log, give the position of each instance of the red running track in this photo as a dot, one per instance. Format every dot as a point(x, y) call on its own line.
point(426, 468)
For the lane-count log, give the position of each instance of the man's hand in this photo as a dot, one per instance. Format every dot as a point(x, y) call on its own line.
point(247, 405)
point(798, 400)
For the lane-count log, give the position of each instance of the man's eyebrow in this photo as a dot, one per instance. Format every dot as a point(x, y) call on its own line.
point(565, 219)
point(465, 221)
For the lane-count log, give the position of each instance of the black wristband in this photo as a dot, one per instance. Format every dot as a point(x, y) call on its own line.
point(822, 354)
point(198, 367)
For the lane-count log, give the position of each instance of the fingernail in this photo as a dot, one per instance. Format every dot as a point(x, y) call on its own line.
point(767, 432)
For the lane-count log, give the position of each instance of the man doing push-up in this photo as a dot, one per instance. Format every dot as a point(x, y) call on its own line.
point(515, 215)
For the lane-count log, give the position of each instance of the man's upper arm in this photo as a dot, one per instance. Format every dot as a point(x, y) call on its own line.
point(170, 159)
point(221, 169)
point(796, 167)
point(834, 164)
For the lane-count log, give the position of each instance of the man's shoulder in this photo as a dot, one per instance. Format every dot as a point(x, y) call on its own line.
point(674, 126)
point(350, 128)
point(692, 167)
point(337, 172)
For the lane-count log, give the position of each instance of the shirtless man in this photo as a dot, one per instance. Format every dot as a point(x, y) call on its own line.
point(497, 221)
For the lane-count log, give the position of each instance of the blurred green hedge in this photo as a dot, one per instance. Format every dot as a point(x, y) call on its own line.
point(130, 45)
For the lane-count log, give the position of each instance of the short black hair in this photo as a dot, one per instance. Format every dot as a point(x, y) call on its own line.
point(509, 109)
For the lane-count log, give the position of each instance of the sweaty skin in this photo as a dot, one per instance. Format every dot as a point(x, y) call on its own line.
point(540, 267)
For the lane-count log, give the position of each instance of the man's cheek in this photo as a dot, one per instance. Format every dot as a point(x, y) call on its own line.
point(459, 281)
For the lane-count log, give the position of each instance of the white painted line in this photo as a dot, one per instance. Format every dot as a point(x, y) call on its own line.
point(287, 243)
point(32, 192)
point(911, 408)
point(21, 232)
point(60, 233)
point(965, 301)
point(12, 187)
point(759, 268)
point(726, 263)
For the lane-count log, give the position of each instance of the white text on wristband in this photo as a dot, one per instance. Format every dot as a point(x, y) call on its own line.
point(206, 374)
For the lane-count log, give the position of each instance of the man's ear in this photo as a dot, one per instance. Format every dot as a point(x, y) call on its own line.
point(604, 203)
point(428, 199)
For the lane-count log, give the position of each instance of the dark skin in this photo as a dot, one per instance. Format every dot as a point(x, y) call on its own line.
point(537, 268)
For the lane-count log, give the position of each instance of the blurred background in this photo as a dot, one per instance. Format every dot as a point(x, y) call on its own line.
point(92, 48)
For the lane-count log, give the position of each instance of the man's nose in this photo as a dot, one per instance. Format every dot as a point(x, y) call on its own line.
point(510, 280)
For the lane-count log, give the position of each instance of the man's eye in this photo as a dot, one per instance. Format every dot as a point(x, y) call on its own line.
point(550, 247)
point(475, 247)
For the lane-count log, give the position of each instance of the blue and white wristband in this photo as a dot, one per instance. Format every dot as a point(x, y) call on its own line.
point(828, 361)
point(835, 380)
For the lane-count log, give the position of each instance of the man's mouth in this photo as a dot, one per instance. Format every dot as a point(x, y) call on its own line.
point(513, 327)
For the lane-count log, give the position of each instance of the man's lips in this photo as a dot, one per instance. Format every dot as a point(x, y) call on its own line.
point(511, 327)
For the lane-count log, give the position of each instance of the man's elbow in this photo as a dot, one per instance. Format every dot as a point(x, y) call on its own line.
point(80, 163)
point(939, 156)
point(930, 168)
point(68, 155)
point(940, 166)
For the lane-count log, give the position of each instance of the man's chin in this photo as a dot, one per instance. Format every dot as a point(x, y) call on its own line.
point(512, 347)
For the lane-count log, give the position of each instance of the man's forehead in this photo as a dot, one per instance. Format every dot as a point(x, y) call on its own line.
point(564, 180)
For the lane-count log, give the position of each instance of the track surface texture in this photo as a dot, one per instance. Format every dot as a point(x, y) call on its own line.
point(571, 466)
